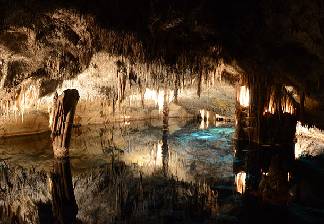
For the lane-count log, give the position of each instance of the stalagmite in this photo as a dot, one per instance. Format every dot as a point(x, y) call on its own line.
point(63, 114)
point(63, 200)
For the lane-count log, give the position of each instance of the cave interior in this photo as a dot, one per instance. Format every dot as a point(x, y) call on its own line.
point(161, 111)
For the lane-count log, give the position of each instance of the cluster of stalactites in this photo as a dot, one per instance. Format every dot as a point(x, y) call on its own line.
point(132, 82)
point(151, 79)
point(280, 102)
point(16, 103)
point(130, 47)
point(277, 100)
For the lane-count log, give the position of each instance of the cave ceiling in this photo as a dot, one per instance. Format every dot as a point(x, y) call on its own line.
point(55, 40)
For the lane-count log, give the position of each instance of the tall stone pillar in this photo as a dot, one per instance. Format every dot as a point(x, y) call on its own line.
point(268, 117)
point(64, 205)
point(62, 122)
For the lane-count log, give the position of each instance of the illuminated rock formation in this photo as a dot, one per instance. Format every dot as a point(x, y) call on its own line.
point(62, 123)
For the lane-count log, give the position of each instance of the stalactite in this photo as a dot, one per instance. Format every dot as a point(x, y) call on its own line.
point(176, 87)
point(183, 80)
point(114, 105)
point(3, 72)
point(142, 92)
point(20, 101)
point(279, 101)
point(199, 83)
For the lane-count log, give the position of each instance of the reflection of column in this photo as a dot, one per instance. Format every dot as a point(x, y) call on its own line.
point(239, 166)
point(266, 169)
point(165, 147)
point(247, 166)
point(64, 205)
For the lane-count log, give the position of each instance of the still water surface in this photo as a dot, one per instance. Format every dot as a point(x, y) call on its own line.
point(118, 169)
point(155, 172)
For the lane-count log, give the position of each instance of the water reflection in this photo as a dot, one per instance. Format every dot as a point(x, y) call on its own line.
point(121, 175)
point(264, 170)
point(157, 170)
point(165, 135)
point(64, 205)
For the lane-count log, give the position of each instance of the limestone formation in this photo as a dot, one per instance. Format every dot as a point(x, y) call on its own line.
point(62, 121)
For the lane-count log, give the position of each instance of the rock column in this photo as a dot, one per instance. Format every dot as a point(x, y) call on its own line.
point(63, 114)
point(64, 207)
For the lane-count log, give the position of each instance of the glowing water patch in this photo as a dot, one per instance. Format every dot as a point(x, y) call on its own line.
point(221, 134)
point(206, 151)
point(202, 135)
point(212, 133)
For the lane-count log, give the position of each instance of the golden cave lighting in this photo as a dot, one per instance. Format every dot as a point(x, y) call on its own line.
point(158, 97)
point(204, 123)
point(286, 106)
point(244, 96)
point(240, 182)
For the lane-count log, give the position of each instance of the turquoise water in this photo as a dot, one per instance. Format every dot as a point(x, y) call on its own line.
point(214, 137)
point(209, 152)
point(212, 134)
